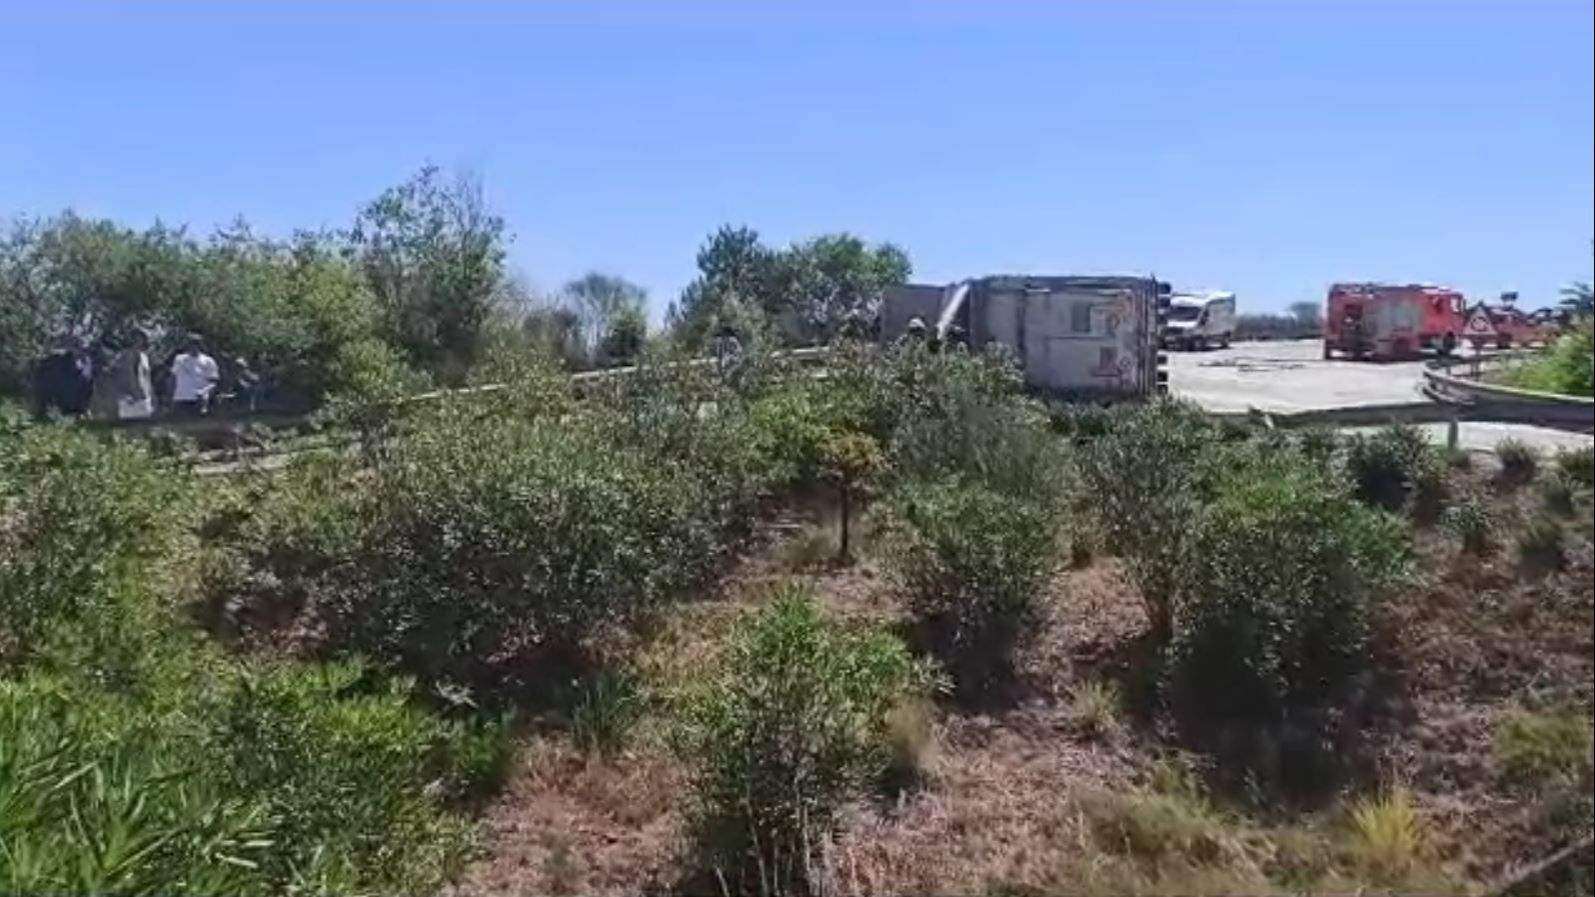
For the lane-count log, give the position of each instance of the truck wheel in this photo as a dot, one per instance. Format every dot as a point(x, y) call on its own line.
point(1448, 344)
point(1223, 341)
point(1328, 352)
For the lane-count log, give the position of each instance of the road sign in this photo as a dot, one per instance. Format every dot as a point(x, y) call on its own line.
point(1479, 325)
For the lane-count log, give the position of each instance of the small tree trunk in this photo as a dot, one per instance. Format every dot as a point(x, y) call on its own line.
point(842, 551)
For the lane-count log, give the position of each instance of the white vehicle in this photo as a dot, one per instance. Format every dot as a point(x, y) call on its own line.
point(1200, 320)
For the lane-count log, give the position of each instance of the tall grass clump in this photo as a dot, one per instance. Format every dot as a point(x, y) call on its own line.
point(794, 725)
point(1519, 462)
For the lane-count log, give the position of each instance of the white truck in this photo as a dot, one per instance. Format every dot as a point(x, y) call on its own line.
point(1200, 320)
point(1075, 337)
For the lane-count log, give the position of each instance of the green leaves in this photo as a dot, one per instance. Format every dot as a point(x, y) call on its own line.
point(791, 727)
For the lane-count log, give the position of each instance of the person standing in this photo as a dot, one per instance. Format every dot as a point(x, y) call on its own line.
point(62, 380)
point(130, 372)
point(194, 376)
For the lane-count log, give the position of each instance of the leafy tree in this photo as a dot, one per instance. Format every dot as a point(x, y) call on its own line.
point(733, 267)
point(851, 461)
point(433, 255)
point(838, 275)
point(807, 290)
point(1579, 299)
point(1307, 314)
point(609, 309)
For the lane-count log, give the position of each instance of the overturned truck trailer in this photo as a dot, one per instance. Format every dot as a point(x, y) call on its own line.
point(1075, 337)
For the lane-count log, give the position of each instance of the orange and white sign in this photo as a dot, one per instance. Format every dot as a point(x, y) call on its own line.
point(1479, 325)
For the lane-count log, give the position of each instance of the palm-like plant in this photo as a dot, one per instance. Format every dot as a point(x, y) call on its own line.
point(1578, 300)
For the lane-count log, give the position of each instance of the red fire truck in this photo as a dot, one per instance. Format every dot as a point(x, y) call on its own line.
point(1385, 321)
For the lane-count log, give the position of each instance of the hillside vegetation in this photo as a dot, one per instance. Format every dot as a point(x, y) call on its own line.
point(612, 644)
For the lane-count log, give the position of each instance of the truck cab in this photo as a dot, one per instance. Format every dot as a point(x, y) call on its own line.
point(1389, 321)
point(1200, 320)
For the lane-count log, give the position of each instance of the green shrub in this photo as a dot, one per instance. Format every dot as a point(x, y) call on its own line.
point(1578, 465)
point(1146, 479)
point(792, 727)
point(80, 523)
point(94, 803)
point(1568, 368)
point(1318, 443)
point(973, 561)
point(484, 547)
point(1519, 462)
point(1556, 495)
point(1386, 466)
point(1542, 546)
point(1535, 749)
point(355, 778)
point(1470, 521)
point(1273, 617)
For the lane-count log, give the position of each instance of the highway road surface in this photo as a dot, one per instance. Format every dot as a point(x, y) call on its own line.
point(1285, 377)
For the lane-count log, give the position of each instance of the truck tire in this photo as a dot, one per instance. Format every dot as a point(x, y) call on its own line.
point(1223, 341)
point(1448, 344)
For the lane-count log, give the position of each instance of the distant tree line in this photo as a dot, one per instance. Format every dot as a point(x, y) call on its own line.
point(1304, 320)
point(415, 291)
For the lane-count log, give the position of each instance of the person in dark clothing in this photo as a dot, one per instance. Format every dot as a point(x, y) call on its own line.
point(63, 381)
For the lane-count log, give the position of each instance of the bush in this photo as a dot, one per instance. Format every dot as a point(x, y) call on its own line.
point(973, 561)
point(791, 728)
point(1273, 618)
point(1387, 466)
point(1147, 478)
point(1542, 546)
point(80, 523)
point(1568, 368)
point(1536, 749)
point(96, 804)
point(1556, 496)
point(1471, 523)
point(479, 560)
point(355, 778)
point(1578, 465)
point(1519, 462)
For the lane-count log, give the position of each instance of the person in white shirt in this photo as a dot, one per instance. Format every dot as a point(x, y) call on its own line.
point(135, 399)
point(194, 376)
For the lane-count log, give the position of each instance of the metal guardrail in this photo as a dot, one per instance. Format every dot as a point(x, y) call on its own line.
point(1479, 400)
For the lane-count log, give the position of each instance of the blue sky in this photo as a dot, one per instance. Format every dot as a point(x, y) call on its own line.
point(1268, 148)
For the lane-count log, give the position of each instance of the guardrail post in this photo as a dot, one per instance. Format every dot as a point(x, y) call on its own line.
point(1161, 366)
point(1451, 436)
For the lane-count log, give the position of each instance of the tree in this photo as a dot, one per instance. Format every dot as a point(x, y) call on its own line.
point(1578, 300)
point(806, 291)
point(734, 268)
point(838, 275)
point(433, 255)
point(852, 461)
point(1307, 314)
point(604, 303)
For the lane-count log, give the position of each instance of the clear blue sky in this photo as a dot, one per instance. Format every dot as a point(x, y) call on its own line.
point(1268, 148)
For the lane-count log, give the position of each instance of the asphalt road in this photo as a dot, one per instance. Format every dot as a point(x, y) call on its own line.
point(1288, 376)
point(1284, 377)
